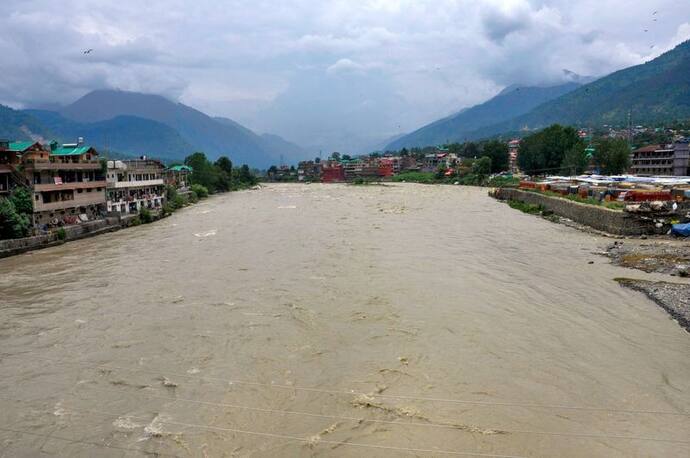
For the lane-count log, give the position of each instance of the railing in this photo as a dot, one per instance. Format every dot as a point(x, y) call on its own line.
point(80, 200)
point(63, 166)
point(66, 186)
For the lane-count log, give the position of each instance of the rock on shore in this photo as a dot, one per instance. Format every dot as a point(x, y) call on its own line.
point(672, 297)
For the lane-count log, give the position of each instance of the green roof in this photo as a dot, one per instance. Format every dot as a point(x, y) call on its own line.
point(181, 168)
point(78, 151)
point(20, 146)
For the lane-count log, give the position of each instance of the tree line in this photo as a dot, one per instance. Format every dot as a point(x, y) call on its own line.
point(219, 176)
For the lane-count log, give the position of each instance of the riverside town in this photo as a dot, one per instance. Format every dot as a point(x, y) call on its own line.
point(373, 228)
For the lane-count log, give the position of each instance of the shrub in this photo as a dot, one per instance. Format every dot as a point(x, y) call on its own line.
point(179, 201)
point(193, 197)
point(415, 177)
point(525, 207)
point(61, 233)
point(145, 215)
point(200, 191)
point(167, 209)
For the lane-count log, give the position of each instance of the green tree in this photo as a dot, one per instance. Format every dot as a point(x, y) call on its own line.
point(498, 152)
point(224, 178)
point(245, 177)
point(575, 160)
point(612, 156)
point(12, 223)
point(21, 197)
point(470, 149)
point(204, 172)
point(543, 152)
point(225, 164)
point(482, 167)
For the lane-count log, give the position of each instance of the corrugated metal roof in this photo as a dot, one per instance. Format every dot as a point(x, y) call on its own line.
point(181, 168)
point(20, 146)
point(78, 151)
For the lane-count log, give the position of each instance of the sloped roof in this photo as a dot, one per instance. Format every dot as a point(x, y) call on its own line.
point(21, 146)
point(78, 151)
point(181, 168)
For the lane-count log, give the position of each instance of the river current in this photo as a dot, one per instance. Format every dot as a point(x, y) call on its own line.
point(333, 320)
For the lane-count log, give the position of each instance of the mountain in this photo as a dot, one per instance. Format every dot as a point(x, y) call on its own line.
point(270, 142)
point(205, 133)
point(509, 103)
point(17, 125)
point(127, 135)
point(653, 92)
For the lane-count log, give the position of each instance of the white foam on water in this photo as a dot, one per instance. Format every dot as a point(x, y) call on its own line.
point(210, 233)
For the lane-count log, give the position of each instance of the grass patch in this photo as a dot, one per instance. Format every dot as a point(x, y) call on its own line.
point(416, 177)
point(503, 182)
point(525, 207)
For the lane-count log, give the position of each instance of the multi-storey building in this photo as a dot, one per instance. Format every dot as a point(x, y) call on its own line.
point(672, 159)
point(135, 184)
point(513, 149)
point(177, 176)
point(67, 183)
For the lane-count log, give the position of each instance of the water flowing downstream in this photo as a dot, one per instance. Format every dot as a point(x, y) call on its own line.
point(333, 320)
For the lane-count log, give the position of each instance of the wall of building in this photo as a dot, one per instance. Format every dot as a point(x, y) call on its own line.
point(600, 218)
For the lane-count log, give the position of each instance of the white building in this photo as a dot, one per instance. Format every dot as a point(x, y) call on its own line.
point(135, 184)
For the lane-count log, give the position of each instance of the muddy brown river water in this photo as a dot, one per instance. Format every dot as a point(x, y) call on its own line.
point(330, 320)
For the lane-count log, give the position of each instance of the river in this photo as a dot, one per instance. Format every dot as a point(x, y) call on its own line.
point(333, 320)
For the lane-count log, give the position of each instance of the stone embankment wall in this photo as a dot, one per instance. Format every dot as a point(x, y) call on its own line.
point(600, 218)
point(76, 232)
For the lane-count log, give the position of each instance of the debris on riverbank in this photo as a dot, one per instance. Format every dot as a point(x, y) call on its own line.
point(672, 297)
point(661, 256)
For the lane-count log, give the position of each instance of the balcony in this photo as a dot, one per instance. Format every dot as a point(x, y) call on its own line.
point(37, 166)
point(80, 200)
point(135, 184)
point(65, 186)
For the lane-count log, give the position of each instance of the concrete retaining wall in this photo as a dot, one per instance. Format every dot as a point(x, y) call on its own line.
point(76, 232)
point(600, 218)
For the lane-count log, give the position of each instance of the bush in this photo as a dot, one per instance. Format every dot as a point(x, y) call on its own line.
point(145, 216)
point(415, 177)
point(167, 209)
point(504, 182)
point(193, 197)
point(179, 201)
point(12, 223)
point(525, 207)
point(61, 233)
point(200, 191)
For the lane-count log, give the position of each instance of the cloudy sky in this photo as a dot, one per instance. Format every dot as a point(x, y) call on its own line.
point(333, 74)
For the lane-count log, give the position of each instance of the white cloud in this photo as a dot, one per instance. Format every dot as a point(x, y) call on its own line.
point(305, 68)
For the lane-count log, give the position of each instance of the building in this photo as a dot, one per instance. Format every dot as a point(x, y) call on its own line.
point(10, 158)
point(672, 160)
point(332, 172)
point(442, 159)
point(66, 180)
point(177, 176)
point(308, 171)
point(135, 184)
point(513, 148)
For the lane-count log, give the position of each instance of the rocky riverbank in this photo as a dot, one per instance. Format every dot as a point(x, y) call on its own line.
point(672, 297)
point(670, 257)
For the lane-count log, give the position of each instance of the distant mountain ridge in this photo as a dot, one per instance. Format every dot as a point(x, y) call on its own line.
point(656, 91)
point(128, 135)
point(214, 136)
point(512, 101)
